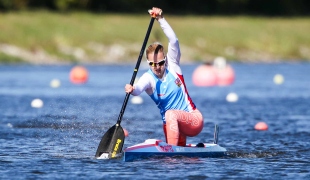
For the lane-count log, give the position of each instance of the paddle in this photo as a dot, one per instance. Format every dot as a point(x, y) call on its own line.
point(112, 142)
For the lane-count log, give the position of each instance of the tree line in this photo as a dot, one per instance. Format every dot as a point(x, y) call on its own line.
point(196, 7)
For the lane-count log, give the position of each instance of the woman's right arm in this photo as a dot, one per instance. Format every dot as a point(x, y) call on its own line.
point(143, 84)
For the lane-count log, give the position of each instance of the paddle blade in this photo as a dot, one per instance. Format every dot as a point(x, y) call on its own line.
point(111, 143)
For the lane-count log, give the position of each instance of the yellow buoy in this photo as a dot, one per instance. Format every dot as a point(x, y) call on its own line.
point(278, 79)
point(55, 83)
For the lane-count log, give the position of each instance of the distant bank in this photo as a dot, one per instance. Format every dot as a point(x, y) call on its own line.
point(50, 38)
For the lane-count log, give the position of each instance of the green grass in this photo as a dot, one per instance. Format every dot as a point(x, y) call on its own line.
point(201, 37)
point(10, 59)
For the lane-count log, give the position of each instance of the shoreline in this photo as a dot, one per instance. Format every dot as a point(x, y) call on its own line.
point(40, 57)
point(42, 37)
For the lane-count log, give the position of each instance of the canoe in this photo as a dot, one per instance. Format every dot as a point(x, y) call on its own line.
point(155, 147)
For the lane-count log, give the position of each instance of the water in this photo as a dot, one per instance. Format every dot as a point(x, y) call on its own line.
point(59, 140)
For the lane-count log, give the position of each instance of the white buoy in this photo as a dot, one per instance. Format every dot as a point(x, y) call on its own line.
point(37, 103)
point(136, 100)
point(9, 125)
point(219, 62)
point(278, 79)
point(232, 97)
point(55, 83)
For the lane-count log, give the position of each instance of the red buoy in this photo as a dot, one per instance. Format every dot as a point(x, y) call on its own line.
point(204, 75)
point(225, 76)
point(261, 126)
point(78, 75)
point(125, 132)
point(218, 74)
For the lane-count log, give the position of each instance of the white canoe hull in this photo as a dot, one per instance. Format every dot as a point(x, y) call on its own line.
point(154, 147)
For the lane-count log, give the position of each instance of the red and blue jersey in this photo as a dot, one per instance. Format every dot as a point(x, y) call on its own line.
point(170, 91)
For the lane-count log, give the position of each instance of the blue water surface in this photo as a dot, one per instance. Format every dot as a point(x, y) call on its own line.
point(59, 140)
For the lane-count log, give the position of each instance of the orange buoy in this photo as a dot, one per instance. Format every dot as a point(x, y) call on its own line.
point(261, 126)
point(204, 75)
point(78, 75)
point(125, 132)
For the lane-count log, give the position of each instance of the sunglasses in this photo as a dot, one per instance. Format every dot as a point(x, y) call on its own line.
point(160, 63)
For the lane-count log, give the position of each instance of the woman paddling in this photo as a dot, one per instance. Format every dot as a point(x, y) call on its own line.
point(165, 84)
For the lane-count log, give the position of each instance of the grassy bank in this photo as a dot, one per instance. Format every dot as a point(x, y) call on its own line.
point(45, 37)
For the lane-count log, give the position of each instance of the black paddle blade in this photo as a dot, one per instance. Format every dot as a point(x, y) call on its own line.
point(112, 142)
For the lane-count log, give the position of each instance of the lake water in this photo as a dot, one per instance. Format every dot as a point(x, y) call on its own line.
point(59, 140)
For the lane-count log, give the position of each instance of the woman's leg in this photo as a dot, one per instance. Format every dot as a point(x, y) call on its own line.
point(182, 137)
point(180, 124)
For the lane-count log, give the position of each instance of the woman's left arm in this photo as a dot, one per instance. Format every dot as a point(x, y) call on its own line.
point(174, 53)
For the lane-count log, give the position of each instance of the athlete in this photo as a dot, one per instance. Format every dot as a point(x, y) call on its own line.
point(164, 83)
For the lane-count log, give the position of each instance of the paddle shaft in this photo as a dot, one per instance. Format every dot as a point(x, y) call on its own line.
point(136, 70)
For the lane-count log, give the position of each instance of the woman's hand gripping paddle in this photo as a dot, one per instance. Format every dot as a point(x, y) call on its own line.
point(111, 144)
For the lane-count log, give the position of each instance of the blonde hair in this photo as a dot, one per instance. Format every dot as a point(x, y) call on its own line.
point(154, 48)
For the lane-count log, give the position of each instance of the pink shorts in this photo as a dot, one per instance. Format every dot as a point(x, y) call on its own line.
point(180, 124)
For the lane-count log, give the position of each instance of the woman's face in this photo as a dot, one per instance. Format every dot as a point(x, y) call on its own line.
point(157, 63)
